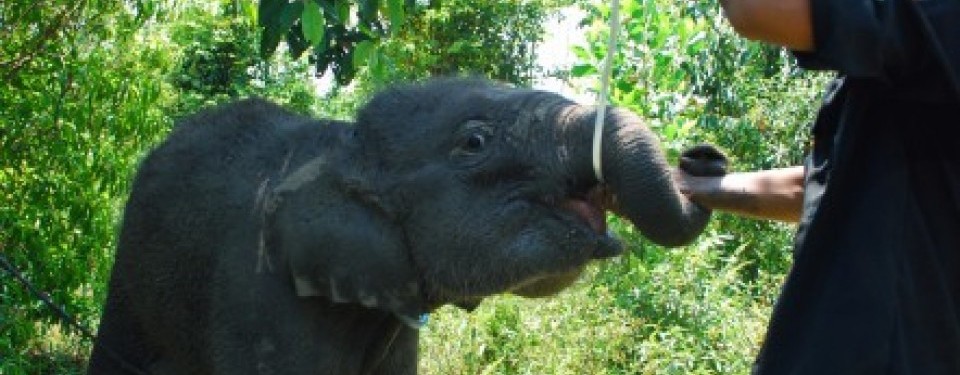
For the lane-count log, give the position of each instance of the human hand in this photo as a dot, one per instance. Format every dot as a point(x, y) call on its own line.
point(696, 187)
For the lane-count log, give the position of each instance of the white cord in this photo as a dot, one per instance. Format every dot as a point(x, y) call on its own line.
point(604, 88)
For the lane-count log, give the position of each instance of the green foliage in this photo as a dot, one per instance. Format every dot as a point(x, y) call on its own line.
point(76, 113)
point(219, 55)
point(457, 37)
point(403, 39)
point(333, 30)
point(218, 60)
point(494, 39)
point(652, 311)
point(578, 332)
point(84, 98)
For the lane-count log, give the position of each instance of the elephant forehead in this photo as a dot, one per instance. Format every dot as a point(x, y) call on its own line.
point(494, 94)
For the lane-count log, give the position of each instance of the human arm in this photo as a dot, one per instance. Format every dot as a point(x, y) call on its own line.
point(775, 194)
point(786, 23)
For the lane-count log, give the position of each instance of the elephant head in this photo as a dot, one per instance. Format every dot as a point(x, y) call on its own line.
point(453, 190)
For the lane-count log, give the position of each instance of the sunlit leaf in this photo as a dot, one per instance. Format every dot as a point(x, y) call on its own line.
point(312, 22)
point(395, 13)
point(581, 53)
point(249, 11)
point(583, 70)
point(343, 11)
point(362, 53)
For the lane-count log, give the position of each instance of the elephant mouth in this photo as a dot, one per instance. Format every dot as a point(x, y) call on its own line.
point(590, 210)
point(591, 214)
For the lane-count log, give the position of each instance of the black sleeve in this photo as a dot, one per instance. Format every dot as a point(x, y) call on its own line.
point(939, 22)
point(860, 38)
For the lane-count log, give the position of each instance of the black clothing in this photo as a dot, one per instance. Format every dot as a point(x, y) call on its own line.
point(875, 284)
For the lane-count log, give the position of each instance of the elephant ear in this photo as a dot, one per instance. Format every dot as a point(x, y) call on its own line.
point(339, 244)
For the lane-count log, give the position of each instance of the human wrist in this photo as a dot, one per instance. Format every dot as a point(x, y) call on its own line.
point(731, 192)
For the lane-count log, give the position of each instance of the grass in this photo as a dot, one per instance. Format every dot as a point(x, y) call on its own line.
point(651, 311)
point(517, 336)
point(52, 350)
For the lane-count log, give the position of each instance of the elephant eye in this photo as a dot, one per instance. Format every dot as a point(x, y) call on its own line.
point(474, 138)
point(475, 142)
point(472, 143)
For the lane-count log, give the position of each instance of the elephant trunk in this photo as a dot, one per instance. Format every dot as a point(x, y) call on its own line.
point(638, 182)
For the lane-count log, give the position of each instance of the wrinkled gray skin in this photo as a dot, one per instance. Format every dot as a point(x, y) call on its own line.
point(256, 241)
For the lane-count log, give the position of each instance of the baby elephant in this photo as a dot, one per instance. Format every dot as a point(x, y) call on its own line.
point(257, 241)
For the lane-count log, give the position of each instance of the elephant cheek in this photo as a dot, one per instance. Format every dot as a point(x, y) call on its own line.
point(548, 286)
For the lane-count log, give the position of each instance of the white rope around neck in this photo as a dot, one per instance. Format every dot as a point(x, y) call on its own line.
point(605, 88)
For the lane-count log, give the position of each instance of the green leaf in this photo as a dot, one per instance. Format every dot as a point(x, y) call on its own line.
point(376, 65)
point(457, 46)
point(249, 11)
point(269, 10)
point(312, 21)
point(362, 52)
point(343, 11)
point(583, 70)
point(395, 13)
point(581, 53)
point(276, 18)
point(367, 11)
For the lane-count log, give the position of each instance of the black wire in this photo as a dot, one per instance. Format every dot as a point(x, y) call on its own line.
point(63, 315)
